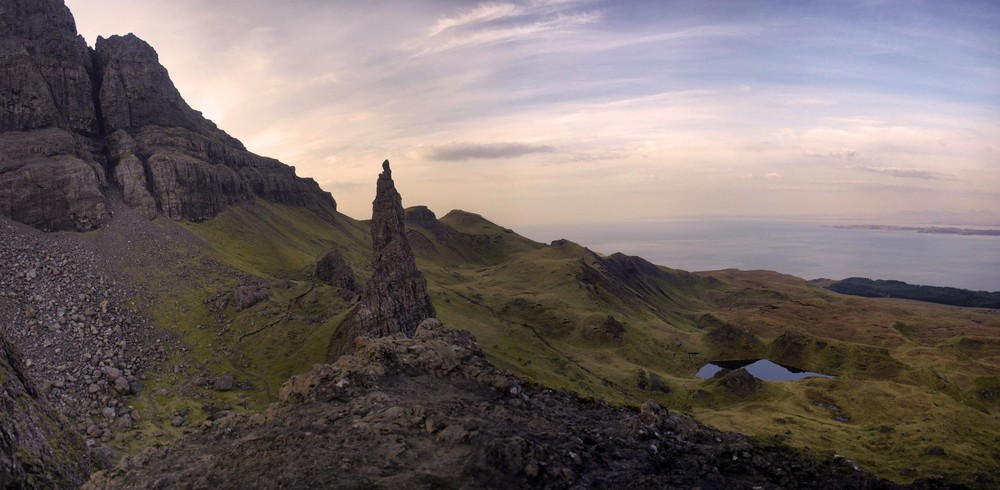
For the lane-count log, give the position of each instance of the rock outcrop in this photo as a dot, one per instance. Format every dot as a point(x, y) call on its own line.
point(37, 449)
point(395, 299)
point(431, 412)
point(739, 382)
point(333, 270)
point(164, 152)
point(78, 123)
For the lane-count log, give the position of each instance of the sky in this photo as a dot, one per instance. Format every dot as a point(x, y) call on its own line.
point(533, 112)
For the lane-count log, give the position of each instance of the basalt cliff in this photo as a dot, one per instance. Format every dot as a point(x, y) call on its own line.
point(81, 125)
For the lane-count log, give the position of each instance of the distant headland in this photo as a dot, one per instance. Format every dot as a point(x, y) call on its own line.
point(940, 230)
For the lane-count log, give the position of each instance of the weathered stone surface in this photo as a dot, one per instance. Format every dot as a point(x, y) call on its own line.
point(49, 179)
point(130, 174)
point(395, 299)
point(223, 383)
point(246, 296)
point(35, 450)
point(191, 168)
point(136, 90)
point(72, 117)
point(333, 270)
point(44, 69)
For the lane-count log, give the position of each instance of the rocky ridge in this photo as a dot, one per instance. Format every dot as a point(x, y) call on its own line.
point(80, 126)
point(429, 411)
point(395, 299)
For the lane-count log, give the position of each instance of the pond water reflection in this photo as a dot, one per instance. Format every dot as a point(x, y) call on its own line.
point(761, 368)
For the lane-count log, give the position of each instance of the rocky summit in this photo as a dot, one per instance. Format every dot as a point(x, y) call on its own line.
point(395, 300)
point(83, 125)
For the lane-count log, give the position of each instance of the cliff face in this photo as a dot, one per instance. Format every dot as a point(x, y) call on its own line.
point(45, 75)
point(49, 177)
point(78, 123)
point(395, 299)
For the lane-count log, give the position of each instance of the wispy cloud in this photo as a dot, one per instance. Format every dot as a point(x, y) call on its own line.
point(495, 23)
point(902, 172)
point(483, 151)
point(481, 14)
point(573, 109)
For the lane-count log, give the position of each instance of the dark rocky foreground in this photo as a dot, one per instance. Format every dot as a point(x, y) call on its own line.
point(431, 412)
point(36, 448)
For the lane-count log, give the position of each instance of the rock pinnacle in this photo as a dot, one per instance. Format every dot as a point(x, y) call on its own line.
point(395, 299)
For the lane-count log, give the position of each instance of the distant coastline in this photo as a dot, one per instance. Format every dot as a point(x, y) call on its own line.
point(878, 288)
point(939, 230)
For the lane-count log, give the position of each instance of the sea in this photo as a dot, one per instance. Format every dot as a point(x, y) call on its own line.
point(807, 249)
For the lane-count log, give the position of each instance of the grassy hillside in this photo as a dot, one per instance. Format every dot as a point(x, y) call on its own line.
point(917, 391)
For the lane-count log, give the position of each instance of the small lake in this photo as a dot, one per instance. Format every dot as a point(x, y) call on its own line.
point(760, 368)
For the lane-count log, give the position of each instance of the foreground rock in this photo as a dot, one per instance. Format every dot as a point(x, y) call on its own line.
point(36, 448)
point(431, 412)
point(395, 299)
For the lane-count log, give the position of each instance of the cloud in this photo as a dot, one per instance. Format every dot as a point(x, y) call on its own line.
point(494, 23)
point(767, 176)
point(649, 107)
point(483, 13)
point(456, 152)
point(902, 172)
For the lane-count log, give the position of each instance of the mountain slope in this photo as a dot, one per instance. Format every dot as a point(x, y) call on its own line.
point(429, 412)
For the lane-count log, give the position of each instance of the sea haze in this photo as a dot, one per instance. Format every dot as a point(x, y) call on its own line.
point(809, 250)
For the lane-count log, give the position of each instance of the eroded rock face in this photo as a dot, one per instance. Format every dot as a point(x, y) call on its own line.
point(36, 448)
point(395, 300)
point(49, 176)
point(740, 382)
point(76, 123)
point(166, 156)
point(45, 69)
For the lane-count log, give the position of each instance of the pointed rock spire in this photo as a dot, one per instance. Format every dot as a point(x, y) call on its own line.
point(395, 299)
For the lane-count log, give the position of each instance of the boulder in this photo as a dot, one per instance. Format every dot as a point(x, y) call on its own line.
point(333, 270)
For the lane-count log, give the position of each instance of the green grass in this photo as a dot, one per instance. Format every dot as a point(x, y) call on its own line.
point(272, 240)
point(910, 375)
